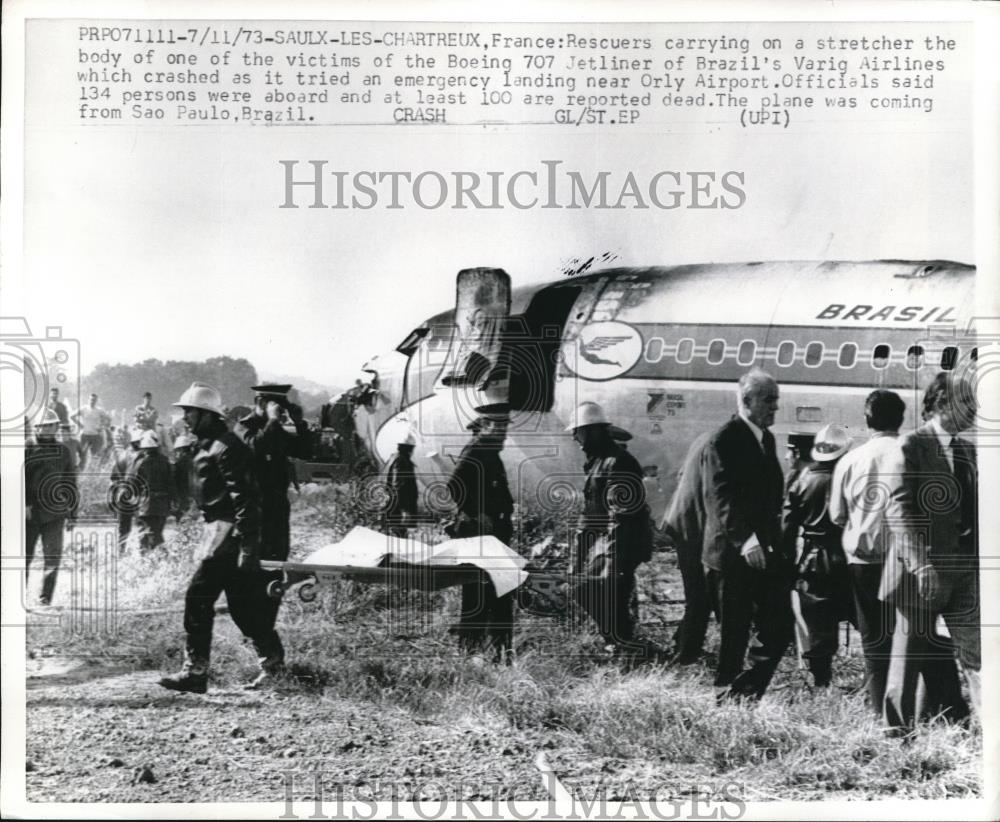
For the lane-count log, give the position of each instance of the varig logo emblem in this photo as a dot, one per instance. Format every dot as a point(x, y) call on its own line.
point(602, 351)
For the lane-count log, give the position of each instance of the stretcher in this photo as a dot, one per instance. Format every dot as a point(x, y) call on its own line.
point(305, 578)
point(544, 593)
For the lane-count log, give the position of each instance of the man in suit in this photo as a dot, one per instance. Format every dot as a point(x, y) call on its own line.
point(684, 523)
point(933, 565)
point(749, 575)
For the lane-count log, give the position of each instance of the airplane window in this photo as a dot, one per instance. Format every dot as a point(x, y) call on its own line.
point(746, 352)
point(848, 355)
point(949, 356)
point(974, 355)
point(716, 351)
point(786, 354)
point(880, 356)
point(914, 357)
point(685, 350)
point(814, 354)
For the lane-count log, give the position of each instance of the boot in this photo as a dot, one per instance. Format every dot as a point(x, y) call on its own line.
point(267, 677)
point(192, 677)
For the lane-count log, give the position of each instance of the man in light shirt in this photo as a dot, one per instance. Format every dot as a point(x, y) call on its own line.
point(864, 497)
point(748, 574)
point(93, 420)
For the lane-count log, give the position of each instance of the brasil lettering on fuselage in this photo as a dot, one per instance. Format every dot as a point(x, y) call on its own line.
point(889, 313)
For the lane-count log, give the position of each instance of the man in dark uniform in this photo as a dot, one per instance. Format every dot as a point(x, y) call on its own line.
point(227, 494)
point(821, 597)
point(122, 493)
point(749, 575)
point(58, 407)
point(154, 483)
point(684, 523)
point(275, 431)
point(615, 534)
point(401, 483)
point(797, 453)
point(479, 488)
point(51, 498)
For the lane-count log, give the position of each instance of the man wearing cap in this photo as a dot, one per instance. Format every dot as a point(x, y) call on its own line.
point(145, 415)
point(864, 500)
point(749, 575)
point(797, 451)
point(614, 535)
point(154, 484)
point(933, 565)
point(401, 484)
point(478, 486)
point(227, 494)
point(50, 497)
point(272, 443)
point(820, 599)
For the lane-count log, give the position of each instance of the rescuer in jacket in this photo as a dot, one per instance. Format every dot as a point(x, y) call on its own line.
point(154, 483)
point(401, 484)
point(614, 535)
point(227, 494)
point(821, 597)
point(479, 488)
point(50, 498)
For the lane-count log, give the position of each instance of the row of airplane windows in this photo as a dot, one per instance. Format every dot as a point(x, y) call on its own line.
point(812, 354)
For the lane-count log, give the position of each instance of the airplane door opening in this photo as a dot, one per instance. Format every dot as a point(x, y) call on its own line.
point(532, 345)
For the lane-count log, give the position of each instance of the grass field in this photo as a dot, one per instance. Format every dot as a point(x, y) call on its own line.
point(388, 654)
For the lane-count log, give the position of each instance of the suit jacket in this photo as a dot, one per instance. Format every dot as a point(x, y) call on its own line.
point(742, 489)
point(938, 509)
point(684, 520)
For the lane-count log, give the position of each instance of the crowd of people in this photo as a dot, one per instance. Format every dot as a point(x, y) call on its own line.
point(882, 534)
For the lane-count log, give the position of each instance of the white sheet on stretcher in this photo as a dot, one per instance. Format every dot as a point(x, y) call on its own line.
point(364, 548)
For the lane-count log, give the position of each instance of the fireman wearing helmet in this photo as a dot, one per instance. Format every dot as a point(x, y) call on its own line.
point(50, 498)
point(227, 494)
point(154, 483)
point(401, 485)
point(614, 536)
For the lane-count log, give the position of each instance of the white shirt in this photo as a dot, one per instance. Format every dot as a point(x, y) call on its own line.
point(944, 440)
point(864, 497)
point(91, 419)
point(758, 432)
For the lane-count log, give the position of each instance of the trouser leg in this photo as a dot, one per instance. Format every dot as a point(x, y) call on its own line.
point(733, 602)
point(31, 534)
point(52, 546)
point(689, 639)
point(817, 624)
point(150, 531)
point(199, 608)
point(275, 546)
point(124, 527)
point(252, 611)
point(962, 617)
point(772, 618)
point(876, 621)
point(923, 678)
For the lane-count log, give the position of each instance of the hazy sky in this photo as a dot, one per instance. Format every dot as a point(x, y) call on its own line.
point(168, 242)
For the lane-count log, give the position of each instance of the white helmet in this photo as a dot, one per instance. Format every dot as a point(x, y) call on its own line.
point(587, 413)
point(135, 435)
point(149, 440)
point(203, 396)
point(50, 417)
point(832, 441)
